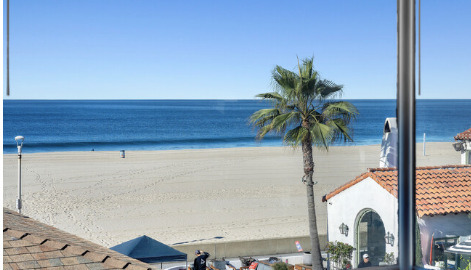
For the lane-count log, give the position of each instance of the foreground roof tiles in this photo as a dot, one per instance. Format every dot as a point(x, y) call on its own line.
point(30, 244)
point(465, 135)
point(439, 190)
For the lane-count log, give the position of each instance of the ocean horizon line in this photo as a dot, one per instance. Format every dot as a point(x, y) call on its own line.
point(202, 99)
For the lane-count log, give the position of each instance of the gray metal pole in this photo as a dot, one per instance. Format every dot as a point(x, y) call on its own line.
point(424, 144)
point(18, 202)
point(406, 132)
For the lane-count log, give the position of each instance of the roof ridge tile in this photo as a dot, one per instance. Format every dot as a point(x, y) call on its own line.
point(345, 186)
point(465, 135)
point(435, 186)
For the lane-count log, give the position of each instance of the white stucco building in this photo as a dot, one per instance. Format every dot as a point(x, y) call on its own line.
point(368, 206)
point(464, 146)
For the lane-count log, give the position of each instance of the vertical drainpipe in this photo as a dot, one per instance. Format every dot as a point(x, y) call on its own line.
point(406, 131)
point(328, 254)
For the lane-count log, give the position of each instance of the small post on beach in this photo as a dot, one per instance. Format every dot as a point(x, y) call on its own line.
point(19, 144)
point(424, 143)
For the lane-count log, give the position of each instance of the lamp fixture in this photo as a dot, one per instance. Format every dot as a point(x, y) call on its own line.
point(19, 143)
point(343, 229)
point(389, 237)
point(458, 146)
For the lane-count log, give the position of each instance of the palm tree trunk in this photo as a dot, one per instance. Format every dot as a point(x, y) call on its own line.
point(308, 173)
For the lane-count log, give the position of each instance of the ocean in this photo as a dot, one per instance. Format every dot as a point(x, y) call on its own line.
point(113, 125)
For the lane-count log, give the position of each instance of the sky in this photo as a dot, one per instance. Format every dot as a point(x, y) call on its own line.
point(156, 49)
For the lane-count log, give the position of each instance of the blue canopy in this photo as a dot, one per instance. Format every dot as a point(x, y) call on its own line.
point(148, 250)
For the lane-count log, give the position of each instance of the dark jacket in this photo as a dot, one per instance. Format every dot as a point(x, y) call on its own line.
point(200, 261)
point(362, 264)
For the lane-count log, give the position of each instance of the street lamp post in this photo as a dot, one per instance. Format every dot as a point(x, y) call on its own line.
point(19, 144)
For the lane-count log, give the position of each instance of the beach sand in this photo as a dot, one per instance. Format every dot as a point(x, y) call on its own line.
point(187, 195)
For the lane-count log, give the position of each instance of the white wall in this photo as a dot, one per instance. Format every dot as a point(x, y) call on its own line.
point(467, 145)
point(348, 204)
point(466, 153)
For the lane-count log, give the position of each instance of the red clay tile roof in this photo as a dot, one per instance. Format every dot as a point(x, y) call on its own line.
point(30, 244)
point(465, 135)
point(439, 190)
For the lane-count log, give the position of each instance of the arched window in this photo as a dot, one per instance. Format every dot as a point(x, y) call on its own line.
point(369, 236)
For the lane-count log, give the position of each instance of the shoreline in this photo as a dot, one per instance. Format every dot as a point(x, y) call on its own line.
point(14, 149)
point(186, 149)
point(180, 149)
point(241, 193)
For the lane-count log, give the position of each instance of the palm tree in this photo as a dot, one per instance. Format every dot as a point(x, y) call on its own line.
point(306, 113)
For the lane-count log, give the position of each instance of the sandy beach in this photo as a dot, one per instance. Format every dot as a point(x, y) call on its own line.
point(187, 195)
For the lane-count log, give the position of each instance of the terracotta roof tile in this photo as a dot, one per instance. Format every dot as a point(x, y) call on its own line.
point(439, 189)
point(465, 135)
point(29, 244)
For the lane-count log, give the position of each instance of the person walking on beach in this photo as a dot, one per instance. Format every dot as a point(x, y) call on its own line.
point(200, 260)
point(366, 261)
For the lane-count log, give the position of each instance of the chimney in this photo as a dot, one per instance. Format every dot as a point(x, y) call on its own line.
point(388, 155)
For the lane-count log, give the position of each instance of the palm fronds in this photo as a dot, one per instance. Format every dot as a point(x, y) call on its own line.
point(295, 136)
point(305, 97)
point(340, 109)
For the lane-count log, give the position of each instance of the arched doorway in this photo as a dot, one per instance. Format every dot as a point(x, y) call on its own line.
point(369, 236)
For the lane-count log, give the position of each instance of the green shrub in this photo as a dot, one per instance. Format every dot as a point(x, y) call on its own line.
point(389, 258)
point(280, 266)
point(340, 254)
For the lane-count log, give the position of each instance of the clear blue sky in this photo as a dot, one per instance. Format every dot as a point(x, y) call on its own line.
point(155, 49)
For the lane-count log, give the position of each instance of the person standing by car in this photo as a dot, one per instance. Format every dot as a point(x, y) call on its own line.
point(200, 260)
